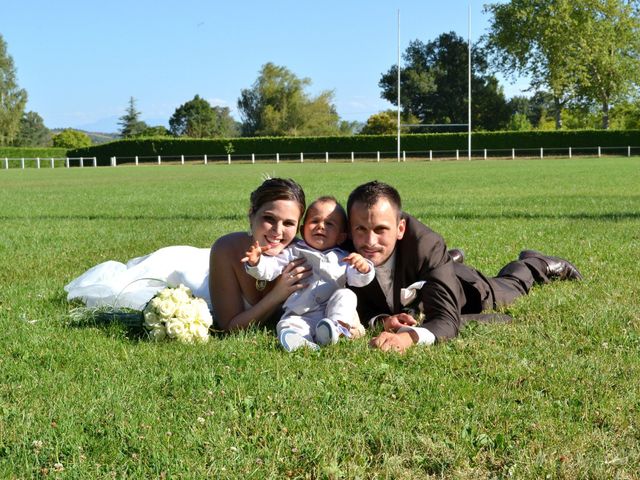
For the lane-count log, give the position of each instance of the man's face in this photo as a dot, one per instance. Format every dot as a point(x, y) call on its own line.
point(375, 230)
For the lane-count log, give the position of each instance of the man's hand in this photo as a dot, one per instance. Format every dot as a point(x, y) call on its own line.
point(252, 256)
point(358, 262)
point(395, 342)
point(394, 322)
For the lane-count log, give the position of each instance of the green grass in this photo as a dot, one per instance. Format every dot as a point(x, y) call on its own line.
point(554, 394)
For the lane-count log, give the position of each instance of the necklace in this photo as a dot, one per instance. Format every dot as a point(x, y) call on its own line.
point(260, 285)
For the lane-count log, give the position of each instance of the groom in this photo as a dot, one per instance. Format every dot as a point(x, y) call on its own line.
point(419, 292)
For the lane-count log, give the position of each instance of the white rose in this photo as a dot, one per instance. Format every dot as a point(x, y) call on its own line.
point(202, 311)
point(154, 304)
point(164, 293)
point(175, 328)
point(166, 308)
point(185, 289)
point(151, 319)
point(180, 296)
point(185, 312)
point(158, 333)
point(201, 333)
point(185, 336)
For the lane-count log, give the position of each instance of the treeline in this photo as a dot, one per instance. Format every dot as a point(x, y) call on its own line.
point(582, 59)
point(152, 147)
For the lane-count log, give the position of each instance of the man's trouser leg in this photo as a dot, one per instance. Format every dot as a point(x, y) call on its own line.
point(514, 280)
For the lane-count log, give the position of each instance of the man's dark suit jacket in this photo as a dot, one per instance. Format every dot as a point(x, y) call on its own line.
point(420, 255)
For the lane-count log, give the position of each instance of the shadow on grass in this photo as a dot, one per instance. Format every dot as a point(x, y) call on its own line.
point(609, 216)
point(108, 320)
point(101, 216)
point(490, 317)
point(605, 216)
point(113, 321)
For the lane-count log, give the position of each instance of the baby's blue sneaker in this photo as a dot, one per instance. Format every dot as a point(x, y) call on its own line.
point(327, 332)
point(292, 340)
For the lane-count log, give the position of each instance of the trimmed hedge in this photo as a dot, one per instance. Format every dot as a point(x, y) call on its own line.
point(152, 147)
point(555, 139)
point(32, 152)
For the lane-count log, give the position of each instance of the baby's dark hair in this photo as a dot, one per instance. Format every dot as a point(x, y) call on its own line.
point(339, 208)
point(273, 189)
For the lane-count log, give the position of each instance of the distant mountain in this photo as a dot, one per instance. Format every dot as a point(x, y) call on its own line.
point(106, 124)
point(112, 124)
point(96, 137)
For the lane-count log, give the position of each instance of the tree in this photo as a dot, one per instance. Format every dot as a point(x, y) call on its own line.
point(578, 116)
point(386, 123)
point(528, 37)
point(613, 60)
point(539, 112)
point(12, 98)
point(434, 84)
point(589, 48)
point(626, 115)
point(69, 138)
point(130, 123)
point(519, 122)
point(277, 105)
point(157, 131)
point(198, 119)
point(347, 128)
point(543, 109)
point(381, 123)
point(33, 132)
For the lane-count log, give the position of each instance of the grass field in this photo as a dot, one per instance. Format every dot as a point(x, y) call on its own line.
point(554, 394)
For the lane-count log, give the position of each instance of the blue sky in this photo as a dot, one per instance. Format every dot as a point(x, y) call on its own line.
point(80, 61)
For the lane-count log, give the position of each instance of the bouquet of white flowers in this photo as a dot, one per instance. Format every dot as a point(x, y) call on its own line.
point(176, 313)
point(172, 313)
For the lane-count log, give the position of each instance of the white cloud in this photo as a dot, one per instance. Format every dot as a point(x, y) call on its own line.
point(218, 102)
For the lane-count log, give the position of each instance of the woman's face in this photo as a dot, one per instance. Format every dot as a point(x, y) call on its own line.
point(275, 224)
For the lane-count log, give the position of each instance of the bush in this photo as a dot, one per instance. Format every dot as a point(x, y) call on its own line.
point(71, 139)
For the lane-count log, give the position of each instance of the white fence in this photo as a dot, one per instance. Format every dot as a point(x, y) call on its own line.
point(49, 162)
point(425, 155)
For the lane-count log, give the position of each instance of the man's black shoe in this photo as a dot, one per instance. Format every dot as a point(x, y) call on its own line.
point(456, 255)
point(556, 267)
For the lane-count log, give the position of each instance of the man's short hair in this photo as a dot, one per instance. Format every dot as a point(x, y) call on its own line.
point(369, 194)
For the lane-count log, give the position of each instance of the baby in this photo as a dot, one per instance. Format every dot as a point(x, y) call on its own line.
point(323, 311)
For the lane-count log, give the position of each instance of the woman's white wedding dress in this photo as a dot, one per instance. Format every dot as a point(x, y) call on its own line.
point(133, 284)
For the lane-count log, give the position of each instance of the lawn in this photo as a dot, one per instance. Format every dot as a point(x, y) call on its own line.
point(553, 394)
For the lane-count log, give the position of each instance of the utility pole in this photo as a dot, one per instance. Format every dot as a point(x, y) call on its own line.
point(469, 81)
point(398, 85)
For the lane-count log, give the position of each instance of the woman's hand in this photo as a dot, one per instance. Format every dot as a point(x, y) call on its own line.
point(291, 279)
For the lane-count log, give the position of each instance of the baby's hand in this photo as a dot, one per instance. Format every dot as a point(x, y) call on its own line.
point(252, 256)
point(358, 262)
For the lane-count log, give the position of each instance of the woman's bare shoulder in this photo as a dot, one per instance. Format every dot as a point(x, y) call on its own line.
point(231, 242)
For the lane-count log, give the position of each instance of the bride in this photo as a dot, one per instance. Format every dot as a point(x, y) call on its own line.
point(217, 275)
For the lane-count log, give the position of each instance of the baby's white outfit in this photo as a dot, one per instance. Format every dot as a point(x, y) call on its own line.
point(325, 295)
